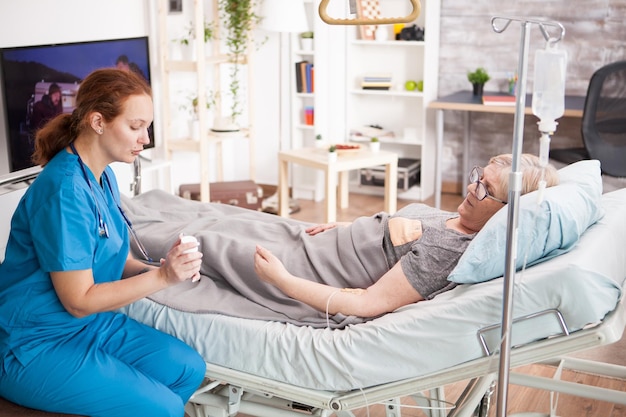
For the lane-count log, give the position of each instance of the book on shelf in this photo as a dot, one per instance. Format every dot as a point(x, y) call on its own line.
point(499, 100)
point(375, 87)
point(377, 77)
point(304, 77)
point(309, 77)
point(376, 82)
point(299, 87)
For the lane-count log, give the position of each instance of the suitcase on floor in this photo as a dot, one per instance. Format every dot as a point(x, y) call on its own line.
point(246, 194)
point(408, 174)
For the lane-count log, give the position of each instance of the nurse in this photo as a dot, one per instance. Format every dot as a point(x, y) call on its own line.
point(68, 267)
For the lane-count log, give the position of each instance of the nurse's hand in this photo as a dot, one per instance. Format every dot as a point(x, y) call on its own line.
point(181, 263)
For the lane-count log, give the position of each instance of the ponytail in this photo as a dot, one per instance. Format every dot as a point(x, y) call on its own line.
point(54, 136)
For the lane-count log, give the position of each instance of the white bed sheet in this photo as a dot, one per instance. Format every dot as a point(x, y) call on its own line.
point(423, 338)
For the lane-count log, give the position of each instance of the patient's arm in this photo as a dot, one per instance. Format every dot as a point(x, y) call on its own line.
point(390, 292)
point(319, 228)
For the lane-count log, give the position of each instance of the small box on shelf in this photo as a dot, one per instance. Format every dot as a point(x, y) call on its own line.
point(376, 82)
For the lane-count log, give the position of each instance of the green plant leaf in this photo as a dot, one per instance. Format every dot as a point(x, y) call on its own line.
point(479, 76)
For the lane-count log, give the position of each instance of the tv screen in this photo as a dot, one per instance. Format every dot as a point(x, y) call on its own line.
point(41, 81)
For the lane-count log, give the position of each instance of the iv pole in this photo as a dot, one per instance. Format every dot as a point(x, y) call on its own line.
point(515, 185)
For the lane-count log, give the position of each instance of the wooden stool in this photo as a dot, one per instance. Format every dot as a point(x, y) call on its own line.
point(9, 409)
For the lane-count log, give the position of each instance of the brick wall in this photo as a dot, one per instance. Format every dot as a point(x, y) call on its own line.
point(595, 35)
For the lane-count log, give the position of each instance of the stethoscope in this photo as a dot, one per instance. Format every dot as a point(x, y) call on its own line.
point(103, 230)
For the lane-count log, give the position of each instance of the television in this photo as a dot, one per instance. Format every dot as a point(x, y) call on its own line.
point(33, 77)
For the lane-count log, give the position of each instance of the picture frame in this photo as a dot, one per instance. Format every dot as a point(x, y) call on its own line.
point(368, 9)
point(175, 6)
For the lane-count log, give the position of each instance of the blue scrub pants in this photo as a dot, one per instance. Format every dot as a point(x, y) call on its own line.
point(116, 367)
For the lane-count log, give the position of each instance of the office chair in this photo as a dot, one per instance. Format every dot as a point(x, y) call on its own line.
point(604, 122)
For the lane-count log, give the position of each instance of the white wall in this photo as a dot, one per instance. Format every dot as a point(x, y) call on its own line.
point(32, 22)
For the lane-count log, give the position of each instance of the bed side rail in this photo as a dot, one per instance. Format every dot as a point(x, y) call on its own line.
point(526, 329)
point(12, 187)
point(15, 180)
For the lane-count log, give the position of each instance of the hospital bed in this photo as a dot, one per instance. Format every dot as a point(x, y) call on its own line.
point(565, 304)
point(568, 303)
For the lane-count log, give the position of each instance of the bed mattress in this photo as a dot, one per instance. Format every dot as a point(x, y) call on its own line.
point(584, 285)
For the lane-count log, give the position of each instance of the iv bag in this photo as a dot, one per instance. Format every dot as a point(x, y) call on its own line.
point(548, 102)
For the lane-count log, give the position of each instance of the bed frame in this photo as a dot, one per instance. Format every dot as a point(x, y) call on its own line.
point(228, 392)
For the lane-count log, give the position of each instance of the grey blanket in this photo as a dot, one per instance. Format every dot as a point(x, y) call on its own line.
point(342, 257)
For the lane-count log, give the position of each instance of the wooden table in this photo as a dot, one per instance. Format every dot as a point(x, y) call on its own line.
point(346, 161)
point(467, 102)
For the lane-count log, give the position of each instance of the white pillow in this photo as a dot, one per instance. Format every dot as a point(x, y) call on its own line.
point(545, 230)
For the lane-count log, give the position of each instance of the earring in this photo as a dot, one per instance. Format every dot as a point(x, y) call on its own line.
point(100, 131)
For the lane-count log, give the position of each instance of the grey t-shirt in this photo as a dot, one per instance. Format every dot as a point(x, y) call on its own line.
point(417, 237)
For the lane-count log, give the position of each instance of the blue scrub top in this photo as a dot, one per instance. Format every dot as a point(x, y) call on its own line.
point(55, 228)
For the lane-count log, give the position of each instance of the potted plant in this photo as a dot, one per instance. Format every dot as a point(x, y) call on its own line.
point(332, 153)
point(187, 41)
point(374, 144)
point(306, 41)
point(191, 107)
point(478, 78)
point(319, 142)
point(238, 19)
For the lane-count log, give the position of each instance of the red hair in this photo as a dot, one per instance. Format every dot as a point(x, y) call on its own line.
point(104, 91)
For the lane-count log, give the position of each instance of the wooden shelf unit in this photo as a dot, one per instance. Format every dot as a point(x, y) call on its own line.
point(201, 65)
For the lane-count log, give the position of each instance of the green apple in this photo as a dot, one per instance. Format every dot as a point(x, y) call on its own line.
point(420, 86)
point(410, 85)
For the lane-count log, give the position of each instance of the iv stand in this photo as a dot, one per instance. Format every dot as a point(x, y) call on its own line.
point(515, 185)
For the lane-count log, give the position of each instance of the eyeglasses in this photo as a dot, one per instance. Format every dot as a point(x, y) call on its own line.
point(481, 189)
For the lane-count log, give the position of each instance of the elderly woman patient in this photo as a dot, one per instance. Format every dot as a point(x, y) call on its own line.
point(388, 261)
point(420, 246)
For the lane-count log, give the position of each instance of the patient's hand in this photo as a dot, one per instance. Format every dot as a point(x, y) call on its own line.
point(269, 268)
point(313, 230)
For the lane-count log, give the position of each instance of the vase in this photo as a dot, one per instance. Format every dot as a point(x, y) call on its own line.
point(306, 44)
point(224, 124)
point(332, 156)
point(478, 89)
point(381, 34)
point(194, 129)
point(374, 146)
